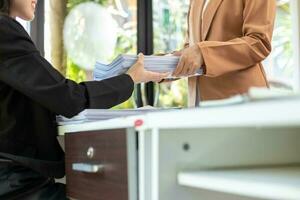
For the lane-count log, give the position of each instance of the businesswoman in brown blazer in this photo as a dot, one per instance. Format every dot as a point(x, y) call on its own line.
point(32, 92)
point(228, 39)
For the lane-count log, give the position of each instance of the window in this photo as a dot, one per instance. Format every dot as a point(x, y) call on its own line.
point(170, 26)
point(122, 14)
point(280, 66)
point(92, 38)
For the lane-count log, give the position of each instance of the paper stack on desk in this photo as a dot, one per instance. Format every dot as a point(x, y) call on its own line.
point(123, 62)
point(91, 115)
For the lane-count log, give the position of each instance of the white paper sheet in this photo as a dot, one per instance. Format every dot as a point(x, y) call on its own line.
point(123, 62)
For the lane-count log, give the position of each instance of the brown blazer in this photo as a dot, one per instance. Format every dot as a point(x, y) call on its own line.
point(234, 38)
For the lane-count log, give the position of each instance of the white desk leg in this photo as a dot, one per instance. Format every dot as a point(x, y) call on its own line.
point(155, 164)
point(144, 156)
point(149, 165)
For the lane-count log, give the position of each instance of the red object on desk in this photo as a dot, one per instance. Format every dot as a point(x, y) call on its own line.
point(138, 123)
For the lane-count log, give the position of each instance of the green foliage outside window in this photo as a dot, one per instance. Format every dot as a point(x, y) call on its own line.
point(126, 43)
point(74, 72)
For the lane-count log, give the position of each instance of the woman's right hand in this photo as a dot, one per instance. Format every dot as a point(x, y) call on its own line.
point(139, 75)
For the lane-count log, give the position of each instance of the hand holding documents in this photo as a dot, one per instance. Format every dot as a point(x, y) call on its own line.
point(122, 63)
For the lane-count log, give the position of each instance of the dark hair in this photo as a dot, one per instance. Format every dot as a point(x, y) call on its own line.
point(4, 7)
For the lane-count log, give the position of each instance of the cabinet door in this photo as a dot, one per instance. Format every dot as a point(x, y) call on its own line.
point(101, 165)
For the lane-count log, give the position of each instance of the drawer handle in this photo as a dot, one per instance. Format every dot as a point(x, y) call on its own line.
point(87, 168)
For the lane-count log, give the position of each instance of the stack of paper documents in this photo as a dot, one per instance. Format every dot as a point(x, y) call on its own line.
point(123, 62)
point(91, 115)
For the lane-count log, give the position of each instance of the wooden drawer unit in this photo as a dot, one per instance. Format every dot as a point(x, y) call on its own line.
point(101, 165)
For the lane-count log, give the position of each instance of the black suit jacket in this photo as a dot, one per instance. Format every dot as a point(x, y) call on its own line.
point(32, 92)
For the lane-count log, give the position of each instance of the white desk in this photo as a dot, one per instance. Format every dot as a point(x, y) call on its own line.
point(215, 153)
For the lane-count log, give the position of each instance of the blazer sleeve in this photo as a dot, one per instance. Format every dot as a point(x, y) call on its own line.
point(25, 70)
point(224, 57)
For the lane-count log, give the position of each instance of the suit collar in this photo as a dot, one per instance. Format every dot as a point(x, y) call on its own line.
point(17, 25)
point(208, 16)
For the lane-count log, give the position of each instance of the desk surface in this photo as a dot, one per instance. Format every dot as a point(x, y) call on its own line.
point(272, 113)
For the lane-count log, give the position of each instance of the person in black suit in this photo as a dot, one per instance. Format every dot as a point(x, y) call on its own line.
point(32, 93)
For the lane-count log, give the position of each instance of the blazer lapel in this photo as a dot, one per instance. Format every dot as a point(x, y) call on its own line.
point(208, 16)
point(195, 21)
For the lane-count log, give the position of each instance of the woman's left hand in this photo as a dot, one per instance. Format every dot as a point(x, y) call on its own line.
point(190, 61)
